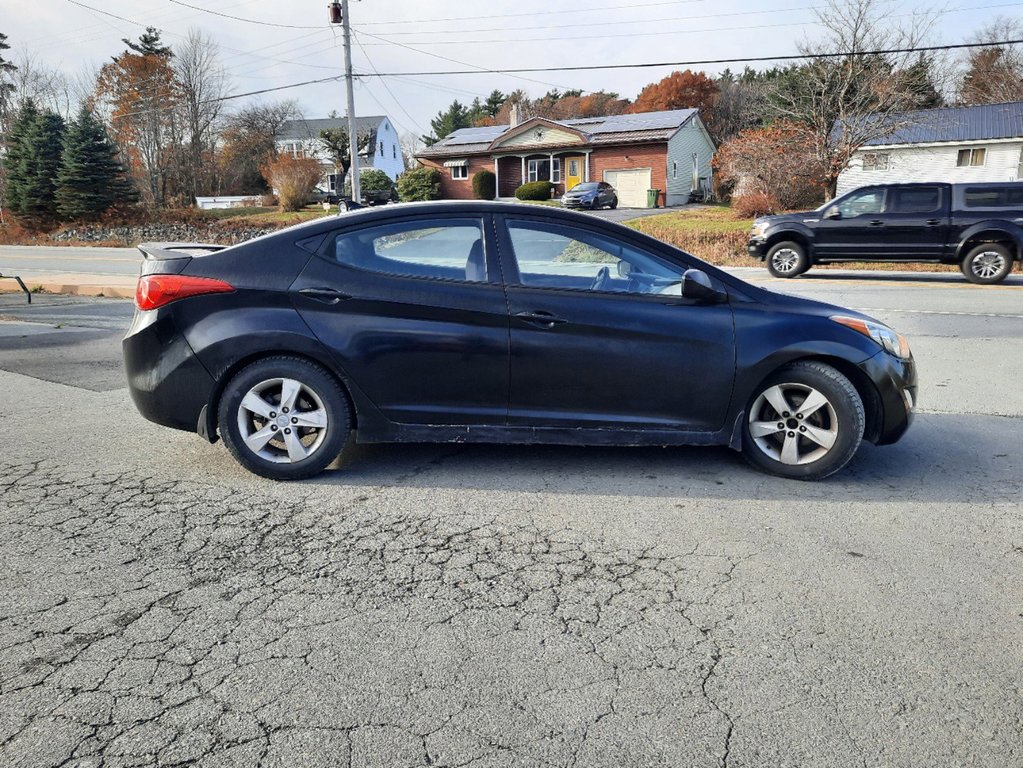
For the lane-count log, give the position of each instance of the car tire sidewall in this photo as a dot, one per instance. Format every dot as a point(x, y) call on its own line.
point(802, 264)
point(614, 203)
point(848, 406)
point(967, 265)
point(328, 389)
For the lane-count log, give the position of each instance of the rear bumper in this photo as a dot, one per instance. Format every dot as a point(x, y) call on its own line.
point(897, 387)
point(167, 382)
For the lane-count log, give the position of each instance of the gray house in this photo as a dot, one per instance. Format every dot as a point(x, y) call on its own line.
point(952, 144)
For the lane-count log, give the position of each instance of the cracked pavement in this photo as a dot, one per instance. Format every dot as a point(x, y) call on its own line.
point(507, 606)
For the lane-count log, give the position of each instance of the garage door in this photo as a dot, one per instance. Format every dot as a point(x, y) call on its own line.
point(631, 185)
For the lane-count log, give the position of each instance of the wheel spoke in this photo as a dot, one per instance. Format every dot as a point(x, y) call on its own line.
point(813, 402)
point(257, 405)
point(317, 418)
point(764, 428)
point(776, 398)
point(258, 440)
point(790, 450)
point(289, 393)
point(825, 438)
point(296, 451)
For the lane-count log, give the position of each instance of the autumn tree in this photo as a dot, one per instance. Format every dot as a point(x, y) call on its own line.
point(335, 141)
point(994, 74)
point(778, 162)
point(679, 90)
point(844, 94)
point(293, 179)
point(248, 141)
point(140, 93)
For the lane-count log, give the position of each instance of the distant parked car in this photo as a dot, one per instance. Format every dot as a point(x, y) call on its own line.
point(590, 194)
point(493, 322)
point(976, 226)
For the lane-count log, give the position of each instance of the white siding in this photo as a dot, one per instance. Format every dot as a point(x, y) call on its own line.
point(691, 138)
point(934, 163)
point(388, 159)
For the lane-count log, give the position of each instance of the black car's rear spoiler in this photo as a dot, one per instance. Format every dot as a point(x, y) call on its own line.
point(162, 251)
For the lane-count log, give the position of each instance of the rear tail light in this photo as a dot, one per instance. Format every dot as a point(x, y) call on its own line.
point(155, 291)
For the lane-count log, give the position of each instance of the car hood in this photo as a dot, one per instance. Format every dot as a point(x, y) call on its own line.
point(581, 193)
point(797, 305)
point(800, 217)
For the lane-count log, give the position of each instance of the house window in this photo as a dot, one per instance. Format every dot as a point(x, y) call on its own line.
point(381, 149)
point(674, 169)
point(971, 158)
point(460, 172)
point(394, 151)
point(540, 169)
point(295, 149)
point(875, 161)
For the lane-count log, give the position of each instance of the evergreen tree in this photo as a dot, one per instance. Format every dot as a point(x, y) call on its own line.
point(15, 158)
point(90, 179)
point(6, 68)
point(149, 44)
point(40, 163)
point(454, 117)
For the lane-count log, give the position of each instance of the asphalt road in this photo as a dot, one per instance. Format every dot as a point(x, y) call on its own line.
point(497, 606)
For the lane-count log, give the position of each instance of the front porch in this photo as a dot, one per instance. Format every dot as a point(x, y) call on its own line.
point(563, 168)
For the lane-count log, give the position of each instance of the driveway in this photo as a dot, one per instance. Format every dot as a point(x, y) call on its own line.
point(625, 214)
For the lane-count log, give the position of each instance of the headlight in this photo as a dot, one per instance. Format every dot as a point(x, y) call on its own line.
point(759, 228)
point(893, 342)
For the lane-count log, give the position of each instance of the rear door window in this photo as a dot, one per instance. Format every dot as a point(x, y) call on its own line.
point(914, 199)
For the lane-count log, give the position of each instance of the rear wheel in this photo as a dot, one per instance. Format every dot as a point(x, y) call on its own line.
point(787, 259)
point(284, 418)
point(614, 203)
point(804, 422)
point(595, 205)
point(987, 263)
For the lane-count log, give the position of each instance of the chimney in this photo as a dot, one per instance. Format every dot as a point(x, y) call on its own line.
point(514, 114)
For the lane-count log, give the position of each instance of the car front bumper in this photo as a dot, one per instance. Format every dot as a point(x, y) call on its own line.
point(757, 249)
point(576, 202)
point(896, 385)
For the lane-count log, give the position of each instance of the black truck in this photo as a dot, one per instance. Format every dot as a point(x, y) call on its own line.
point(977, 226)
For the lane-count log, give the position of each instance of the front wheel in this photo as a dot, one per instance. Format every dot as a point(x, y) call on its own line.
point(614, 203)
point(285, 418)
point(804, 422)
point(986, 264)
point(787, 259)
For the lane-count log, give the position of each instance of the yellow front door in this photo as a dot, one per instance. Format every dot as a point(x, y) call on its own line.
point(573, 172)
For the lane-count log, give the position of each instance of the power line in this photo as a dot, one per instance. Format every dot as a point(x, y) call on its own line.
point(240, 18)
point(387, 88)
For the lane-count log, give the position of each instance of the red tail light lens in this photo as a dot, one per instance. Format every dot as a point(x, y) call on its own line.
point(155, 291)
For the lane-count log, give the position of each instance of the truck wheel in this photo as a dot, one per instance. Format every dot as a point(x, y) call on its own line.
point(987, 263)
point(787, 259)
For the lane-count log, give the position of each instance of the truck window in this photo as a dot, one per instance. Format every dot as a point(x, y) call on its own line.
point(867, 202)
point(914, 199)
point(993, 197)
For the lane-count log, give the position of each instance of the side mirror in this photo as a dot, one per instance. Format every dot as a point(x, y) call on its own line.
point(697, 285)
point(624, 269)
point(833, 213)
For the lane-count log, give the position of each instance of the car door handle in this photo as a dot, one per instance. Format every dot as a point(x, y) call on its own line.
point(932, 222)
point(877, 223)
point(326, 295)
point(541, 318)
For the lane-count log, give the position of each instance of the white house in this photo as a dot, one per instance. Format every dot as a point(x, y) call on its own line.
point(301, 138)
point(951, 144)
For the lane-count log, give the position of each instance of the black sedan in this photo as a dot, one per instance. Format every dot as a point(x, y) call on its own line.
point(494, 322)
point(590, 194)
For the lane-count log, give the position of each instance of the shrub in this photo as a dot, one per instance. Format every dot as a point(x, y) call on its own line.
point(753, 204)
point(484, 185)
point(534, 190)
point(419, 184)
point(371, 180)
point(293, 179)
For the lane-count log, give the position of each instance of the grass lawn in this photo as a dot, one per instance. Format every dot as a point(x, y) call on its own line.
point(263, 216)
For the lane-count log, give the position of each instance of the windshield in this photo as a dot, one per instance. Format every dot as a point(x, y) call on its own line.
point(586, 186)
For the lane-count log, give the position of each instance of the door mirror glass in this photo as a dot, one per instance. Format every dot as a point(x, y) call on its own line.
point(833, 213)
point(697, 285)
point(624, 269)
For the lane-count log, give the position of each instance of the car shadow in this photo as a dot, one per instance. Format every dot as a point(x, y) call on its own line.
point(943, 458)
point(934, 278)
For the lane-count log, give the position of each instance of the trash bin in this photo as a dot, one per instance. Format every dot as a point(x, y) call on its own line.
point(651, 197)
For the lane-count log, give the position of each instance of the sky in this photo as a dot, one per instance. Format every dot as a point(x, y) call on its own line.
point(293, 42)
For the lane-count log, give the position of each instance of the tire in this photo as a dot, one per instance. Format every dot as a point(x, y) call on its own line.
point(787, 259)
point(251, 414)
point(614, 203)
point(987, 264)
point(811, 445)
point(595, 205)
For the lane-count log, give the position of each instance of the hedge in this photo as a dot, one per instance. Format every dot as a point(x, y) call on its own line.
point(484, 185)
point(534, 190)
point(419, 184)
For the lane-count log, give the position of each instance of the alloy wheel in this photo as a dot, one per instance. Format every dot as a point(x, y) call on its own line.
point(282, 420)
point(988, 264)
point(793, 424)
point(785, 260)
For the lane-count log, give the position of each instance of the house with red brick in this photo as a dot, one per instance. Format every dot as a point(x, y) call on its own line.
point(670, 151)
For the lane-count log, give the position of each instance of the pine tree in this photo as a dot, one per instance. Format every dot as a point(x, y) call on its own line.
point(149, 44)
point(43, 142)
point(15, 158)
point(90, 179)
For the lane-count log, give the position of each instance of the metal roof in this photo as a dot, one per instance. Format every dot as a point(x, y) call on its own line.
point(297, 130)
point(952, 124)
point(648, 126)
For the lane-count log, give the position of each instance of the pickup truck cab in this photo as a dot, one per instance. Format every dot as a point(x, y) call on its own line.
point(977, 226)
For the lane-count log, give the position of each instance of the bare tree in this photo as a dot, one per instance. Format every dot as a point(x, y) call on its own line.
point(203, 82)
point(994, 74)
point(845, 101)
point(411, 144)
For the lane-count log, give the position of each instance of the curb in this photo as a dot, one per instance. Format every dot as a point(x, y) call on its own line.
point(71, 289)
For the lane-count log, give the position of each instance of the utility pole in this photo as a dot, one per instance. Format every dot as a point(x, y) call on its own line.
point(353, 136)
